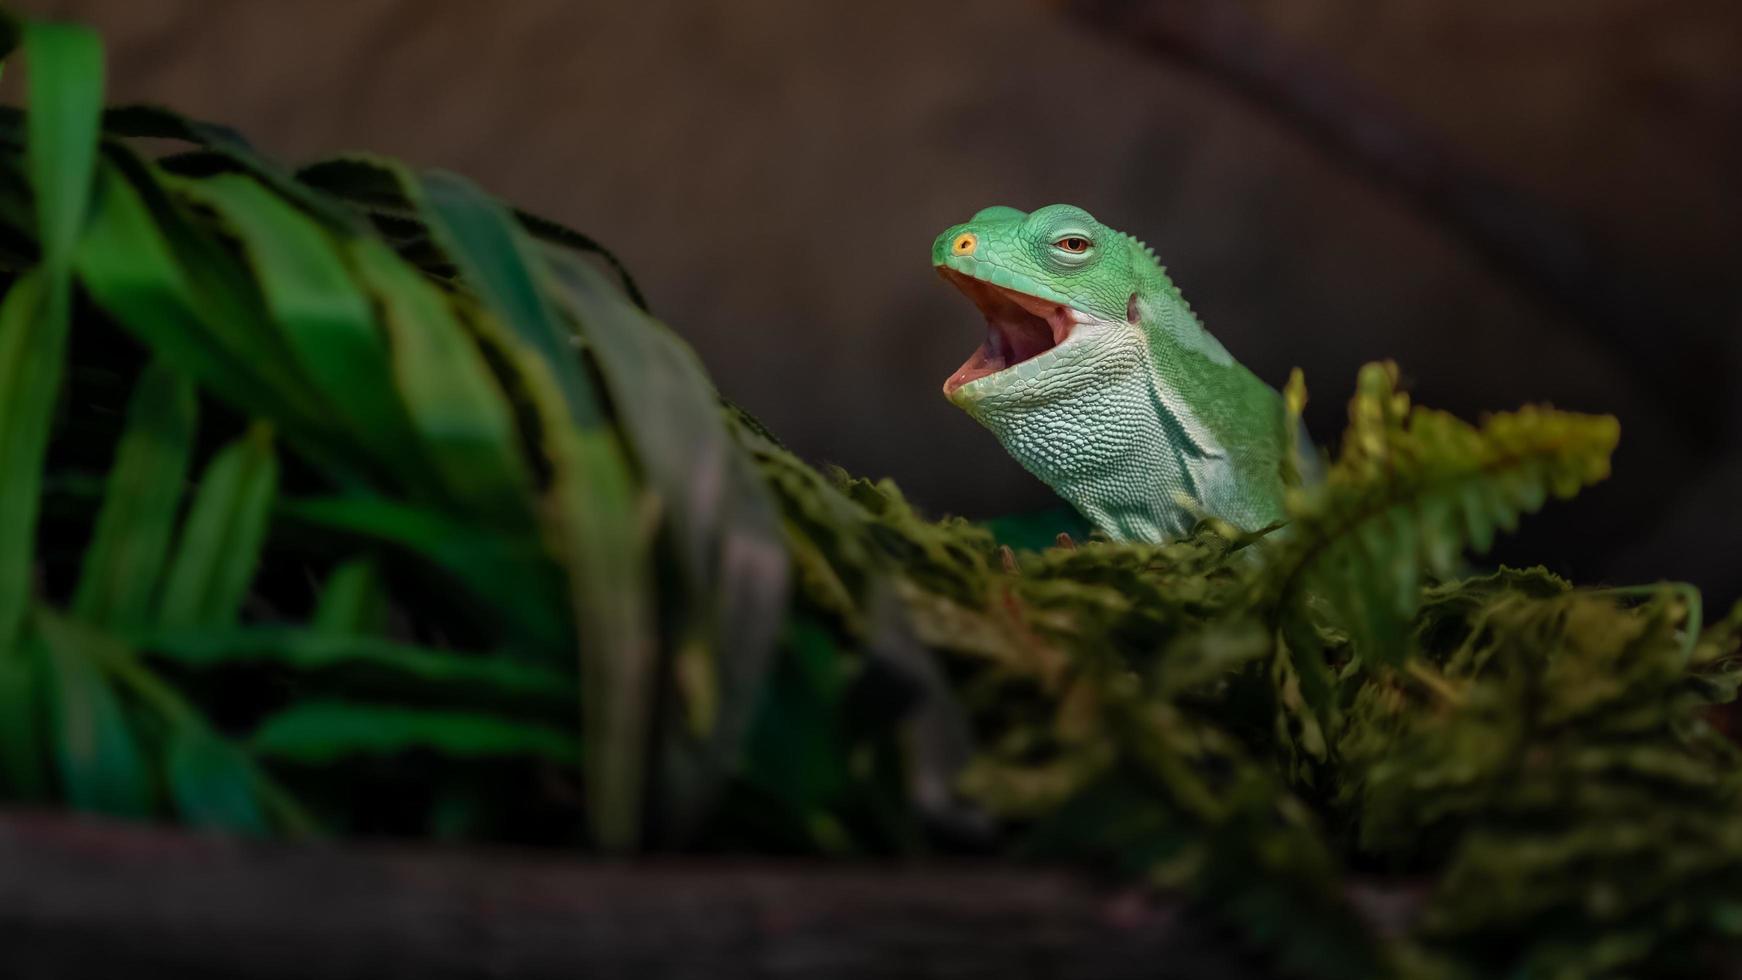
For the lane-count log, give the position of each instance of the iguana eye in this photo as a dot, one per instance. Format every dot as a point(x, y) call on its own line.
point(964, 243)
point(1075, 244)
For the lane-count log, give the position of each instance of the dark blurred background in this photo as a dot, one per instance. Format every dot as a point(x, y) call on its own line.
point(1537, 200)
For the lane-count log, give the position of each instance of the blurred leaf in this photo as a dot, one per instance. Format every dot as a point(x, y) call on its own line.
point(509, 572)
point(102, 767)
point(66, 91)
point(223, 536)
point(796, 749)
point(190, 301)
point(213, 784)
point(157, 122)
point(32, 348)
point(373, 183)
point(125, 560)
point(498, 263)
point(457, 406)
point(310, 650)
point(323, 732)
point(725, 529)
point(24, 726)
point(550, 231)
point(66, 101)
point(1038, 530)
point(323, 315)
point(216, 762)
point(353, 602)
point(594, 519)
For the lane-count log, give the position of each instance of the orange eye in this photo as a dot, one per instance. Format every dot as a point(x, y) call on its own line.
point(1073, 243)
point(964, 243)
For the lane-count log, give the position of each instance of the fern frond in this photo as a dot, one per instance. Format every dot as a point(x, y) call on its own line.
point(1413, 489)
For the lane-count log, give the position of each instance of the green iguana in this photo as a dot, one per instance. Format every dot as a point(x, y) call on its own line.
point(1097, 377)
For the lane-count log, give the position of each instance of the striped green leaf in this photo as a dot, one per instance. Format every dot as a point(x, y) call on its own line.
point(497, 261)
point(213, 784)
point(353, 601)
point(102, 767)
point(324, 317)
point(66, 104)
point(157, 122)
point(311, 650)
point(124, 562)
point(225, 530)
point(323, 732)
point(32, 352)
point(459, 410)
point(24, 736)
point(594, 519)
point(205, 782)
point(725, 529)
point(511, 574)
point(66, 92)
point(183, 295)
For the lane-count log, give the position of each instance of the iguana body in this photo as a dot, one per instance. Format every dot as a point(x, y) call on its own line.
point(1097, 377)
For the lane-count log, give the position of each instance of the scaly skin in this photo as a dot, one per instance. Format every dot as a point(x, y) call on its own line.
point(1138, 416)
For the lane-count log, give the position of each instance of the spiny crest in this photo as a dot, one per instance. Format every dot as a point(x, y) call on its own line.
point(1145, 248)
point(1140, 243)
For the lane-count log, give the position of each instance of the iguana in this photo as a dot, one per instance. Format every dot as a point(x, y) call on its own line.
point(1097, 377)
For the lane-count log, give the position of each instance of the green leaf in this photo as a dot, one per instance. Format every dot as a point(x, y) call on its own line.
point(124, 562)
point(66, 100)
point(497, 262)
point(353, 602)
point(324, 316)
point(32, 351)
point(147, 265)
point(796, 749)
point(550, 231)
point(310, 650)
point(24, 723)
point(594, 517)
point(156, 122)
point(593, 520)
point(323, 732)
point(213, 784)
point(66, 92)
point(725, 528)
point(102, 767)
point(222, 540)
point(458, 408)
point(201, 782)
point(375, 184)
point(510, 572)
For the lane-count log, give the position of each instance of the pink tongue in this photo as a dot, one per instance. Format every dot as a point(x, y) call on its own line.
point(1019, 340)
point(986, 359)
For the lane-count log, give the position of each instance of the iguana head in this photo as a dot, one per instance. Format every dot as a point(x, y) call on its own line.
point(1058, 290)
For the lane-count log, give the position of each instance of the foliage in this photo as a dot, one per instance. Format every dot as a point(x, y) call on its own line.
point(350, 501)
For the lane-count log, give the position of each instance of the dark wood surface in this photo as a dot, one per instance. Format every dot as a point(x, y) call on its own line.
point(84, 898)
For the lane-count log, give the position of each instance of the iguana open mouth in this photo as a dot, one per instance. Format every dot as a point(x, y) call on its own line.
point(1018, 327)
